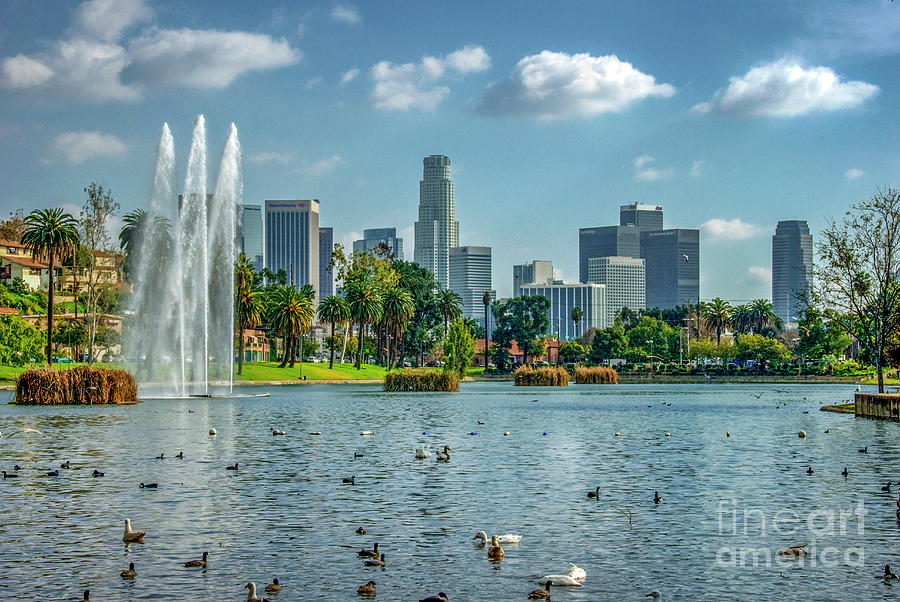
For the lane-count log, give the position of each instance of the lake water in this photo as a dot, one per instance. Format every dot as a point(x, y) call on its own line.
point(286, 513)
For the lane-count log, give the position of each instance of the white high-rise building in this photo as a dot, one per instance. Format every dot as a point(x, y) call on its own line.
point(437, 229)
point(470, 277)
point(292, 240)
point(624, 280)
point(536, 272)
point(564, 297)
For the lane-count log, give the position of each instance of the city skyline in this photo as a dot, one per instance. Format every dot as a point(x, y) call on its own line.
point(771, 113)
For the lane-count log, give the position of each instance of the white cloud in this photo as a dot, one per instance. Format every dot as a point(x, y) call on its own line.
point(731, 229)
point(853, 174)
point(697, 168)
point(347, 240)
point(759, 274)
point(413, 86)
point(642, 160)
point(345, 13)
point(786, 89)
point(105, 20)
point(555, 85)
point(349, 76)
point(650, 174)
point(313, 83)
point(21, 72)
point(78, 147)
point(323, 166)
point(261, 158)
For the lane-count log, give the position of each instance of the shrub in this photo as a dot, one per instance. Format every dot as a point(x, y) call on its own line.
point(596, 375)
point(81, 385)
point(545, 376)
point(421, 379)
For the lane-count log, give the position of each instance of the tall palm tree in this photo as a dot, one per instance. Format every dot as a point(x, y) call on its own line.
point(717, 314)
point(762, 312)
point(576, 316)
point(49, 234)
point(365, 307)
point(290, 314)
point(449, 307)
point(486, 299)
point(248, 314)
point(335, 310)
point(398, 309)
point(741, 319)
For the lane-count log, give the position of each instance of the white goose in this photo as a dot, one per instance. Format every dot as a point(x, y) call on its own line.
point(421, 454)
point(482, 538)
point(573, 577)
point(131, 535)
point(251, 595)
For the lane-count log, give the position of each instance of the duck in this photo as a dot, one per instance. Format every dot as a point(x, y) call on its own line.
point(361, 531)
point(273, 587)
point(10, 475)
point(656, 497)
point(251, 594)
point(495, 552)
point(180, 455)
point(357, 455)
point(444, 454)
point(65, 465)
point(794, 551)
point(373, 553)
point(161, 457)
point(441, 597)
point(595, 493)
point(350, 480)
point(131, 535)
point(863, 450)
point(657, 597)
point(420, 453)
point(198, 563)
point(508, 538)
point(233, 467)
point(149, 485)
point(97, 473)
point(277, 432)
point(809, 470)
point(887, 487)
point(17, 467)
point(53, 473)
point(87, 596)
point(129, 573)
point(375, 561)
point(845, 472)
point(889, 574)
point(541, 594)
point(366, 589)
point(573, 578)
point(576, 572)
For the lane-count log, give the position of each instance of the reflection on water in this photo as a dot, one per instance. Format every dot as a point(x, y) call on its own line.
point(286, 512)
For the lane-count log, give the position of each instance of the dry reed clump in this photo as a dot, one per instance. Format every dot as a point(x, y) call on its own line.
point(81, 385)
point(545, 376)
point(420, 379)
point(596, 375)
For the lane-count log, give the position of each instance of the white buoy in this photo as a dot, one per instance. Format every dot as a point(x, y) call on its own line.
point(801, 434)
point(212, 431)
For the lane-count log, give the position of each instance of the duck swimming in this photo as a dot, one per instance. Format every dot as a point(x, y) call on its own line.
point(508, 538)
point(149, 485)
point(350, 480)
point(65, 465)
point(161, 457)
point(274, 586)
point(420, 453)
point(277, 432)
point(233, 467)
point(889, 574)
point(656, 497)
point(366, 589)
point(373, 553)
point(129, 573)
point(444, 454)
point(360, 531)
point(10, 475)
point(251, 594)
point(97, 473)
point(441, 597)
point(541, 594)
point(794, 551)
point(198, 563)
point(845, 472)
point(595, 493)
point(887, 487)
point(53, 473)
point(573, 578)
point(87, 596)
point(495, 552)
point(131, 535)
point(180, 455)
point(375, 561)
point(657, 597)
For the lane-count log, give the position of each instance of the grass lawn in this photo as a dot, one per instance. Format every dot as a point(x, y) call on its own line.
point(271, 371)
point(8, 374)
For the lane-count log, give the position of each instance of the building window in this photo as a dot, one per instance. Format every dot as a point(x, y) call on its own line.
point(12, 250)
point(34, 271)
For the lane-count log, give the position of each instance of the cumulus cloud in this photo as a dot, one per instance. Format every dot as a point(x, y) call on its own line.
point(555, 85)
point(786, 89)
point(345, 13)
point(697, 168)
point(106, 20)
point(731, 229)
point(78, 147)
point(853, 174)
point(323, 166)
point(21, 72)
point(349, 76)
point(269, 157)
point(650, 174)
point(760, 274)
point(414, 85)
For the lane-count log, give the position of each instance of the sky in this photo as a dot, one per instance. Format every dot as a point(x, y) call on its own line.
point(731, 115)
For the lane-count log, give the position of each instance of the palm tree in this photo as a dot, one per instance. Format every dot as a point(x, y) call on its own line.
point(248, 314)
point(398, 309)
point(49, 233)
point(762, 313)
point(449, 307)
point(365, 307)
point(576, 316)
point(335, 310)
point(486, 299)
point(717, 314)
point(741, 319)
point(290, 314)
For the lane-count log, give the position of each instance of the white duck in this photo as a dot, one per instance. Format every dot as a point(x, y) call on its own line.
point(420, 453)
point(251, 595)
point(482, 538)
point(131, 535)
point(573, 578)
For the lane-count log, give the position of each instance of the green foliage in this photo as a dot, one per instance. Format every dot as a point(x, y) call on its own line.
point(310, 347)
point(609, 343)
point(654, 337)
point(572, 351)
point(459, 348)
point(420, 380)
point(819, 338)
point(70, 333)
point(20, 343)
point(28, 303)
point(521, 319)
point(706, 349)
point(760, 348)
point(544, 376)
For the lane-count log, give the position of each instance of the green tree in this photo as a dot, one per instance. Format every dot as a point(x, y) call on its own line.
point(20, 342)
point(609, 343)
point(486, 300)
point(366, 307)
point(655, 338)
point(572, 351)
point(334, 310)
point(521, 319)
point(70, 333)
point(423, 331)
point(459, 348)
point(760, 348)
point(290, 314)
point(50, 234)
point(449, 304)
point(762, 313)
point(742, 319)
point(13, 227)
point(249, 305)
point(576, 315)
point(717, 314)
point(706, 349)
point(398, 309)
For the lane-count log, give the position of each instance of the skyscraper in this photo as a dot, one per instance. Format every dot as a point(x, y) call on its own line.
point(624, 280)
point(470, 277)
point(564, 297)
point(644, 217)
point(250, 235)
point(436, 229)
point(672, 263)
point(606, 241)
point(326, 273)
point(292, 240)
point(374, 237)
point(535, 272)
point(792, 250)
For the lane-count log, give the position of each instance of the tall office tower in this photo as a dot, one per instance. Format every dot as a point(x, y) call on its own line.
point(606, 241)
point(250, 235)
point(538, 272)
point(624, 280)
point(326, 273)
point(644, 217)
point(380, 236)
point(564, 297)
point(470, 276)
point(292, 240)
point(672, 264)
point(792, 260)
point(437, 229)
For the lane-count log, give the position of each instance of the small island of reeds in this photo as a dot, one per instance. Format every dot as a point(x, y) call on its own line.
point(543, 376)
point(421, 380)
point(596, 375)
point(81, 385)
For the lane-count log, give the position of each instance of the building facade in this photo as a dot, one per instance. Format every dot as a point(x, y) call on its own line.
point(292, 240)
point(643, 217)
point(470, 277)
point(564, 297)
point(792, 268)
point(672, 267)
point(250, 235)
point(606, 241)
point(375, 237)
point(624, 278)
point(436, 230)
point(536, 272)
point(326, 272)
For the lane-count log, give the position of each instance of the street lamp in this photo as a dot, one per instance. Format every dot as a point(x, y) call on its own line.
point(650, 342)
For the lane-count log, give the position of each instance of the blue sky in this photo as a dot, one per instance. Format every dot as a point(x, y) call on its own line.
point(731, 115)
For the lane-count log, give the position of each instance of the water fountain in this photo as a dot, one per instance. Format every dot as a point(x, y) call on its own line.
point(181, 334)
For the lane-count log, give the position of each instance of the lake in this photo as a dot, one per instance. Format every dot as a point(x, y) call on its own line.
point(286, 513)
